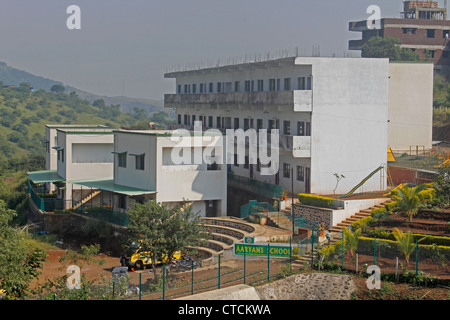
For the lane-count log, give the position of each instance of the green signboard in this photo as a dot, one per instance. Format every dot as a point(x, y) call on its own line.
point(250, 240)
point(262, 250)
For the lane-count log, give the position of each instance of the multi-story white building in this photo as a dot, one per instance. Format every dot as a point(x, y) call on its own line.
point(332, 115)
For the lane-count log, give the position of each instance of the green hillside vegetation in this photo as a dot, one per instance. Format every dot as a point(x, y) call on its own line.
point(11, 76)
point(23, 116)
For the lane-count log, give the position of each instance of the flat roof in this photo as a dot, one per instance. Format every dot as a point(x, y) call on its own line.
point(44, 176)
point(166, 133)
point(109, 185)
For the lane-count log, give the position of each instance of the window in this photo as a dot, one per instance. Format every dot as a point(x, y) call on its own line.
point(302, 83)
point(272, 85)
point(194, 88)
point(227, 87)
point(432, 53)
point(246, 163)
point(122, 160)
point(237, 86)
point(219, 87)
point(193, 119)
point(179, 88)
point(308, 129)
point(236, 164)
point(300, 128)
point(185, 119)
point(300, 173)
point(211, 87)
point(287, 127)
point(286, 170)
point(246, 123)
point(260, 85)
point(236, 123)
point(179, 119)
point(259, 124)
point(210, 121)
point(431, 33)
point(140, 162)
point(122, 201)
point(287, 84)
point(308, 83)
point(201, 88)
point(247, 86)
point(186, 88)
point(446, 34)
point(219, 122)
point(271, 126)
point(278, 84)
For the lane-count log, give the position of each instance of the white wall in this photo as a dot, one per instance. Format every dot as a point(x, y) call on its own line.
point(410, 105)
point(349, 122)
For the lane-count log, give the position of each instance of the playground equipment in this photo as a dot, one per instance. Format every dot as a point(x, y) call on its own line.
point(362, 182)
point(384, 171)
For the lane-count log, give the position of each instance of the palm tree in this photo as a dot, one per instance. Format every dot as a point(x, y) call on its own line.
point(408, 200)
point(351, 240)
point(405, 242)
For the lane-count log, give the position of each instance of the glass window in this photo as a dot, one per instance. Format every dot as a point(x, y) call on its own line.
point(286, 170)
point(300, 173)
point(140, 162)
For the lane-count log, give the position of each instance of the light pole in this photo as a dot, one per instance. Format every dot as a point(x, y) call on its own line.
point(292, 200)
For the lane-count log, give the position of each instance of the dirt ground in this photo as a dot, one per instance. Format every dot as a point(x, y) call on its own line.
point(231, 273)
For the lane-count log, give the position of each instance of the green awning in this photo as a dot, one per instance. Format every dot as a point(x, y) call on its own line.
point(109, 185)
point(44, 176)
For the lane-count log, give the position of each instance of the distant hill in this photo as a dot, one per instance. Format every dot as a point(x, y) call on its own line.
point(24, 114)
point(14, 77)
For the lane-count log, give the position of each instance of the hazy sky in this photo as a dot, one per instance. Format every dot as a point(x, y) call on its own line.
point(125, 47)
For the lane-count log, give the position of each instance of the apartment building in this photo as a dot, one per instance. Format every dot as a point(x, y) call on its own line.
point(423, 27)
point(331, 113)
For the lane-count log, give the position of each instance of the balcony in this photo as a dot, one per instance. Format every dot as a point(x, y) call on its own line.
point(299, 100)
point(356, 44)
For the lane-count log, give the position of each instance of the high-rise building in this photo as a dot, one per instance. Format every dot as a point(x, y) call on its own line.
point(423, 27)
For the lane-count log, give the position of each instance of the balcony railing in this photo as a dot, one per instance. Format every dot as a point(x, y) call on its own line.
point(300, 100)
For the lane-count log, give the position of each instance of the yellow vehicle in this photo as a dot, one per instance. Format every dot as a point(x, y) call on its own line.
point(142, 258)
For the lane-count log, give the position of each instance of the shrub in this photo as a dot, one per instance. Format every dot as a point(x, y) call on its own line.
point(316, 201)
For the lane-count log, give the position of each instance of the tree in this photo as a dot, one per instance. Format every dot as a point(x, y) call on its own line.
point(351, 240)
point(405, 242)
point(338, 178)
point(19, 264)
point(164, 231)
point(442, 185)
point(57, 88)
point(408, 200)
point(387, 47)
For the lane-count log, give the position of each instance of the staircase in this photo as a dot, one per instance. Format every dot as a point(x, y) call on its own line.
point(86, 199)
point(336, 232)
point(282, 219)
point(358, 216)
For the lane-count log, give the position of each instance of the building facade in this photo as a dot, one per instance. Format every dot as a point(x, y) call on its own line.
point(423, 27)
point(331, 113)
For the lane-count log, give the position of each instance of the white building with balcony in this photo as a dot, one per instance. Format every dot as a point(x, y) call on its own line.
point(105, 171)
point(332, 116)
point(148, 160)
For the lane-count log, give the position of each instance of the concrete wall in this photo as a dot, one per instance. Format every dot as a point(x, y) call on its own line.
point(348, 122)
point(410, 105)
